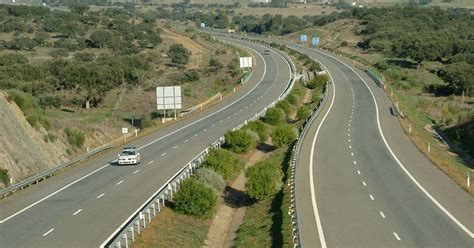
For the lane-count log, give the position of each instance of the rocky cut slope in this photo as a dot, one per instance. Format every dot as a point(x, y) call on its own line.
point(23, 150)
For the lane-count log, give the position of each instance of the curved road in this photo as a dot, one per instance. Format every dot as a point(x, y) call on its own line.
point(82, 206)
point(350, 189)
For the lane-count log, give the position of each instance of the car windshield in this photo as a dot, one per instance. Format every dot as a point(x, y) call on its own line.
point(128, 152)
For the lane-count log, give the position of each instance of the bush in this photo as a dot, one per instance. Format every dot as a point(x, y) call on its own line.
point(274, 116)
point(283, 135)
point(222, 162)
point(285, 106)
point(240, 141)
point(211, 178)
point(58, 53)
point(179, 54)
point(303, 113)
point(75, 137)
point(50, 101)
point(317, 82)
point(259, 128)
point(293, 99)
point(195, 198)
point(191, 76)
point(264, 180)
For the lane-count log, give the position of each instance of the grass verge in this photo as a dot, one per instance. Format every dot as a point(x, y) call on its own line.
point(171, 229)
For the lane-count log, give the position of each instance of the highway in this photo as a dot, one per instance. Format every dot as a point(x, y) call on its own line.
point(82, 206)
point(360, 182)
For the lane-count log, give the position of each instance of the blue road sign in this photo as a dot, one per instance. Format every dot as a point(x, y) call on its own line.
point(303, 38)
point(315, 41)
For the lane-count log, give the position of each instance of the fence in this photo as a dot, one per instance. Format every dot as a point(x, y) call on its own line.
point(40, 177)
point(126, 233)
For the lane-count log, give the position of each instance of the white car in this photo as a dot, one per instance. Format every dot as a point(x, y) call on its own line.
point(129, 155)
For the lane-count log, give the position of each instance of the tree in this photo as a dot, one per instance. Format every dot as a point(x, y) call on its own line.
point(264, 180)
point(460, 77)
point(99, 38)
point(179, 54)
point(195, 198)
point(79, 8)
point(240, 141)
point(283, 135)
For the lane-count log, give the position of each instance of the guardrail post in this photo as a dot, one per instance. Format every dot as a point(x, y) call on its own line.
point(133, 233)
point(149, 215)
point(124, 236)
point(158, 202)
point(137, 222)
point(154, 209)
point(163, 199)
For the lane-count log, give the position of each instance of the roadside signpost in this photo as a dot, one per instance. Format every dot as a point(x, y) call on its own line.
point(245, 62)
point(303, 38)
point(315, 41)
point(168, 97)
point(203, 25)
point(125, 132)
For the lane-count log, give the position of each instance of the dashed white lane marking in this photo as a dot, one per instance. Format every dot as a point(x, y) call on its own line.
point(151, 162)
point(100, 195)
point(228, 117)
point(174, 147)
point(358, 172)
point(240, 110)
point(235, 113)
point(352, 154)
point(135, 172)
point(348, 130)
point(186, 141)
point(223, 120)
point(372, 197)
point(363, 183)
point(195, 135)
point(121, 181)
point(349, 135)
point(349, 140)
point(48, 232)
point(355, 162)
point(163, 154)
point(205, 130)
point(350, 120)
point(78, 211)
point(350, 147)
point(396, 236)
point(213, 125)
point(349, 125)
point(381, 214)
point(246, 107)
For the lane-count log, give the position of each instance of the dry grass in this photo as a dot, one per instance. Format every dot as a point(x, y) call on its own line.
point(170, 229)
point(199, 55)
point(293, 9)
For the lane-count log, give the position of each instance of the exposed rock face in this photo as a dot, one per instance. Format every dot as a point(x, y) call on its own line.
point(23, 150)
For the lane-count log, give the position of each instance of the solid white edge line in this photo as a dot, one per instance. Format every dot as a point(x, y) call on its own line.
point(372, 197)
point(322, 240)
point(454, 219)
point(52, 194)
point(381, 214)
point(48, 232)
point(136, 211)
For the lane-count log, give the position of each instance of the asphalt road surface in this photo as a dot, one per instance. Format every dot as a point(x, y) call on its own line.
point(82, 206)
point(350, 189)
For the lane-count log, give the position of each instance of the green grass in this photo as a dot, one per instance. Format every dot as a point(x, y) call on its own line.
point(4, 176)
point(171, 229)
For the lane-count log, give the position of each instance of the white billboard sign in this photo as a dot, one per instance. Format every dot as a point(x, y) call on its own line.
point(124, 130)
point(245, 62)
point(168, 97)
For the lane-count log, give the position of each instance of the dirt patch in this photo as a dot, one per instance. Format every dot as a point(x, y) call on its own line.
point(230, 214)
point(199, 55)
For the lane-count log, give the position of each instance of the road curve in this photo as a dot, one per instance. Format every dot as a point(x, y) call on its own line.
point(350, 189)
point(82, 206)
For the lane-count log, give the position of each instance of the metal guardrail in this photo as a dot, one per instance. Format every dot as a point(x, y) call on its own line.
point(126, 233)
point(294, 161)
point(43, 175)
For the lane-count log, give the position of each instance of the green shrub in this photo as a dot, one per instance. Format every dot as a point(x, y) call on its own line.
point(283, 135)
point(317, 82)
point(30, 108)
point(195, 198)
point(285, 106)
point(223, 162)
point(274, 116)
point(303, 112)
point(259, 128)
point(264, 180)
point(240, 141)
point(293, 99)
point(210, 178)
point(75, 137)
point(49, 137)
